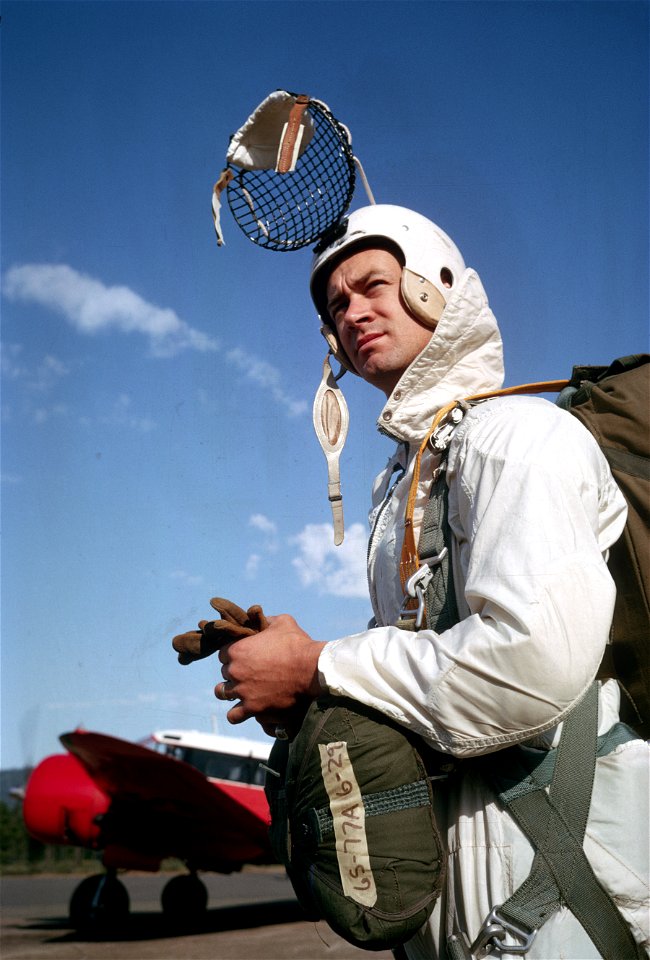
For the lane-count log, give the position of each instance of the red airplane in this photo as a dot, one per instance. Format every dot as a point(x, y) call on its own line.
point(193, 796)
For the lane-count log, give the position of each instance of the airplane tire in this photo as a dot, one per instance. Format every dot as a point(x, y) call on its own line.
point(184, 899)
point(98, 902)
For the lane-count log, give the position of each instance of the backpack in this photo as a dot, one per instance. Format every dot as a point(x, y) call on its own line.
point(352, 820)
point(613, 403)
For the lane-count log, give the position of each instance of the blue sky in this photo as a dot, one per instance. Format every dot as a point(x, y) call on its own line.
point(157, 446)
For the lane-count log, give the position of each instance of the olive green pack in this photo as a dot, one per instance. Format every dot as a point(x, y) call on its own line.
point(351, 801)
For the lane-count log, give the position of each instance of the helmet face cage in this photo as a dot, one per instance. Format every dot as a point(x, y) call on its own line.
point(287, 211)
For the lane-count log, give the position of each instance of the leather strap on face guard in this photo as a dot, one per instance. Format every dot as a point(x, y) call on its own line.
point(274, 136)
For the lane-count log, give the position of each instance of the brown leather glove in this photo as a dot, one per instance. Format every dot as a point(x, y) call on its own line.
point(235, 623)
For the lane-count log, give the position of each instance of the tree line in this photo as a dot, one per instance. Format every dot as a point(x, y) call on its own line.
point(20, 853)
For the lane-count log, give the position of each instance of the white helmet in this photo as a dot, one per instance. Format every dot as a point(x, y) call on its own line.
point(432, 264)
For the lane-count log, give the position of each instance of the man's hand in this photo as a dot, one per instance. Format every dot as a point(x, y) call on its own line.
point(273, 675)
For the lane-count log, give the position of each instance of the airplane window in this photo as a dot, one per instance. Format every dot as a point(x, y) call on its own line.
point(219, 766)
point(223, 766)
point(197, 758)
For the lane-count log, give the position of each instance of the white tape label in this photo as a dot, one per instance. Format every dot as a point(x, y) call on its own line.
point(349, 819)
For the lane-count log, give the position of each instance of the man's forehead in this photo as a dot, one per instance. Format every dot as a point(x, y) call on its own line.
point(357, 264)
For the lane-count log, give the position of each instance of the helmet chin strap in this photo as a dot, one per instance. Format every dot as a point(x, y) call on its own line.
point(330, 411)
point(331, 420)
point(336, 350)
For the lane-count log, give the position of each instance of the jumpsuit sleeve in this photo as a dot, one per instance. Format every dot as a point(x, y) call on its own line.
point(533, 509)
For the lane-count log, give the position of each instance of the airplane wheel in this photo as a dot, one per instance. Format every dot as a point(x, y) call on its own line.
point(184, 899)
point(99, 901)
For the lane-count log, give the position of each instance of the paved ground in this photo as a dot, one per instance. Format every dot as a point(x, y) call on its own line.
point(251, 916)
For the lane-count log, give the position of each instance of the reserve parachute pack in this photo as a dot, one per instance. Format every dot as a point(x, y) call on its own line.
point(352, 805)
point(352, 820)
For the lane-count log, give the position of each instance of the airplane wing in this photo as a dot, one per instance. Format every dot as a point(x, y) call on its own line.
point(161, 807)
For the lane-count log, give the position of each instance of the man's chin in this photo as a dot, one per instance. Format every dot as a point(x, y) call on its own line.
point(377, 376)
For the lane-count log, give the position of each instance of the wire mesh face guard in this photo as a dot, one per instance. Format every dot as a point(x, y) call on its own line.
point(290, 177)
point(289, 210)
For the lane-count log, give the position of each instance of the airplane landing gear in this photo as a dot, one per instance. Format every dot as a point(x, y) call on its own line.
point(184, 899)
point(99, 901)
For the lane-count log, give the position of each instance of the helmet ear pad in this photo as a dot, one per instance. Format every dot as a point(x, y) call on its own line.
point(422, 298)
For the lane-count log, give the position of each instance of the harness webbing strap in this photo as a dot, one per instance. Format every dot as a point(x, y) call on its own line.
point(440, 595)
point(409, 562)
point(555, 822)
point(409, 557)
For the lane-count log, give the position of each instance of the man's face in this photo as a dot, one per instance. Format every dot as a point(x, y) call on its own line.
point(378, 334)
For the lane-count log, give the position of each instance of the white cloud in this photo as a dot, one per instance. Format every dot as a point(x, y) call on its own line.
point(338, 571)
point(263, 523)
point(50, 370)
point(10, 364)
point(267, 543)
point(253, 565)
point(90, 306)
point(266, 376)
point(187, 579)
point(121, 415)
point(44, 414)
point(38, 378)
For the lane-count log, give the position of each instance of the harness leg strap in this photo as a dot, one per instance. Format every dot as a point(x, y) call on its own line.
point(555, 823)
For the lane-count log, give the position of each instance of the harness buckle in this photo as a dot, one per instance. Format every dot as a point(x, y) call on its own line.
point(441, 436)
point(416, 587)
point(497, 928)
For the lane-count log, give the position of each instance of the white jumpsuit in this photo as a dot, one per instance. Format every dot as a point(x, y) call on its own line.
point(533, 510)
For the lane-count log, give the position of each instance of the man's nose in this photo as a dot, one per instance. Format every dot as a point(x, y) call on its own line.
point(356, 311)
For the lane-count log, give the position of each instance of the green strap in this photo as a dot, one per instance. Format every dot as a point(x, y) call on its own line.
point(435, 535)
point(320, 822)
point(555, 822)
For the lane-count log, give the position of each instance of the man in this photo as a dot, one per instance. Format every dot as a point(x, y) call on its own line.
point(533, 510)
